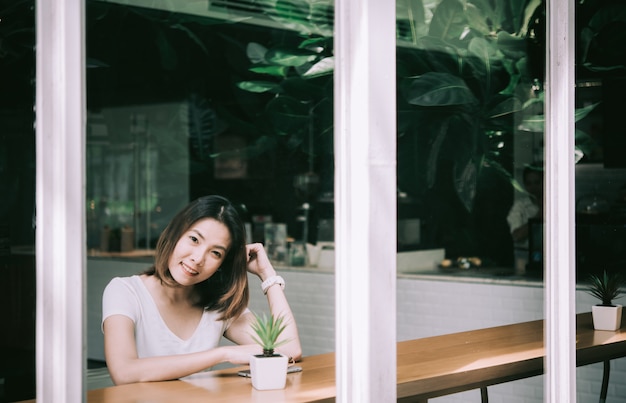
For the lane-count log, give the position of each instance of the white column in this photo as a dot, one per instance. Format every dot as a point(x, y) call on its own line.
point(365, 200)
point(60, 234)
point(560, 278)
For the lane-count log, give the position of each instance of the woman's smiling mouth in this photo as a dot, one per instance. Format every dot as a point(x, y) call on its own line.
point(188, 270)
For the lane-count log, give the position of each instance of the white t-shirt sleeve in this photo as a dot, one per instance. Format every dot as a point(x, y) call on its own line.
point(520, 213)
point(120, 298)
point(230, 321)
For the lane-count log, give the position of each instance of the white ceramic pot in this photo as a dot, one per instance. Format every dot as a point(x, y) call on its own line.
point(268, 372)
point(607, 317)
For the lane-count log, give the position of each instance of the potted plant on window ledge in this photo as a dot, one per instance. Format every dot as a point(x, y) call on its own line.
point(268, 370)
point(607, 287)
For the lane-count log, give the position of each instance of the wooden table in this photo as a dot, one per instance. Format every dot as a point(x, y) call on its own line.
point(428, 367)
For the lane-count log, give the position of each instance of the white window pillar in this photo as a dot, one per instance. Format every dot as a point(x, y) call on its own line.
point(560, 273)
point(365, 200)
point(60, 234)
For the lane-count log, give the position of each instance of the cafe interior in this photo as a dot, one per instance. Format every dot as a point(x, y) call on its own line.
point(241, 98)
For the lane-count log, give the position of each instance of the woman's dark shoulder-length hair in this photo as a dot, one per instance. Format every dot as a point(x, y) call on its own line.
point(226, 291)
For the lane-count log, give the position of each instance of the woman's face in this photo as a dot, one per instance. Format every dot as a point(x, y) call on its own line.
point(199, 252)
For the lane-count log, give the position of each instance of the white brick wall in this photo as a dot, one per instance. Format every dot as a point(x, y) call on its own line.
point(426, 307)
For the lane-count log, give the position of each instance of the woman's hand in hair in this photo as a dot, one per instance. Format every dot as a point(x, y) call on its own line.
point(258, 262)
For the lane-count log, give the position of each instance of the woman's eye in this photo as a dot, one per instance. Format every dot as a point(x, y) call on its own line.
point(217, 254)
point(193, 239)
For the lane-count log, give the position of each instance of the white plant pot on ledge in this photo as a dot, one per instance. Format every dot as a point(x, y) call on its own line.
point(607, 317)
point(268, 372)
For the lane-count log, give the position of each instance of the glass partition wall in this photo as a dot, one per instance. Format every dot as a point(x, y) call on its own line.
point(235, 98)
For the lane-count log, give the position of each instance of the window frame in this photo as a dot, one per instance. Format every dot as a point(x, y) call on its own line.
point(61, 266)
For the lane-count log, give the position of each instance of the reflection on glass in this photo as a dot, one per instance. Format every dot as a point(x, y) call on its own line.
point(131, 179)
point(186, 101)
point(257, 83)
point(257, 90)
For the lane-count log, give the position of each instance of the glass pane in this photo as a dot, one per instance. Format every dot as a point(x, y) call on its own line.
point(17, 199)
point(232, 98)
point(187, 99)
point(468, 79)
point(601, 139)
point(600, 172)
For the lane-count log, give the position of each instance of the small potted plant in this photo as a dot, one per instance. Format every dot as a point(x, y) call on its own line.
point(607, 287)
point(268, 370)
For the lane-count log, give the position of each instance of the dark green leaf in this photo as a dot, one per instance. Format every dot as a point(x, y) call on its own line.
point(508, 106)
point(258, 86)
point(439, 89)
point(477, 19)
point(194, 38)
point(412, 11)
point(534, 123)
point(434, 152)
point(440, 55)
point(483, 53)
point(291, 57)
point(581, 113)
point(448, 20)
point(324, 67)
point(515, 16)
point(512, 46)
point(288, 115)
point(465, 181)
point(277, 71)
point(485, 18)
point(606, 287)
point(506, 174)
point(314, 43)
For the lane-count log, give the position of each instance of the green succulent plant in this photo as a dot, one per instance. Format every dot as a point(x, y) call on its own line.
point(267, 330)
point(606, 287)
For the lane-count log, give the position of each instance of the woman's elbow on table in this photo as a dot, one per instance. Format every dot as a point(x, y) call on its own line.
point(293, 351)
point(120, 377)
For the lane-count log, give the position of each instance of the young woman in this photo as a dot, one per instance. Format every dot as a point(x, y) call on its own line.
point(167, 322)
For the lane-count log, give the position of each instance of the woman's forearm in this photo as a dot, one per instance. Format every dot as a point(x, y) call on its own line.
point(280, 307)
point(165, 368)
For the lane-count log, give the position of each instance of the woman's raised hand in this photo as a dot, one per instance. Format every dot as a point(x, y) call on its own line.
point(258, 262)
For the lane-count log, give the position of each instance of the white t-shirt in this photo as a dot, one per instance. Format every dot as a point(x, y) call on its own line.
point(523, 210)
point(129, 296)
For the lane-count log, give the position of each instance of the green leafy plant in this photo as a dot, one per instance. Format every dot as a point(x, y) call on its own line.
point(606, 287)
point(463, 82)
point(267, 330)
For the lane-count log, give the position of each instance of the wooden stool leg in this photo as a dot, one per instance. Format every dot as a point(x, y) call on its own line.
point(605, 381)
point(484, 398)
